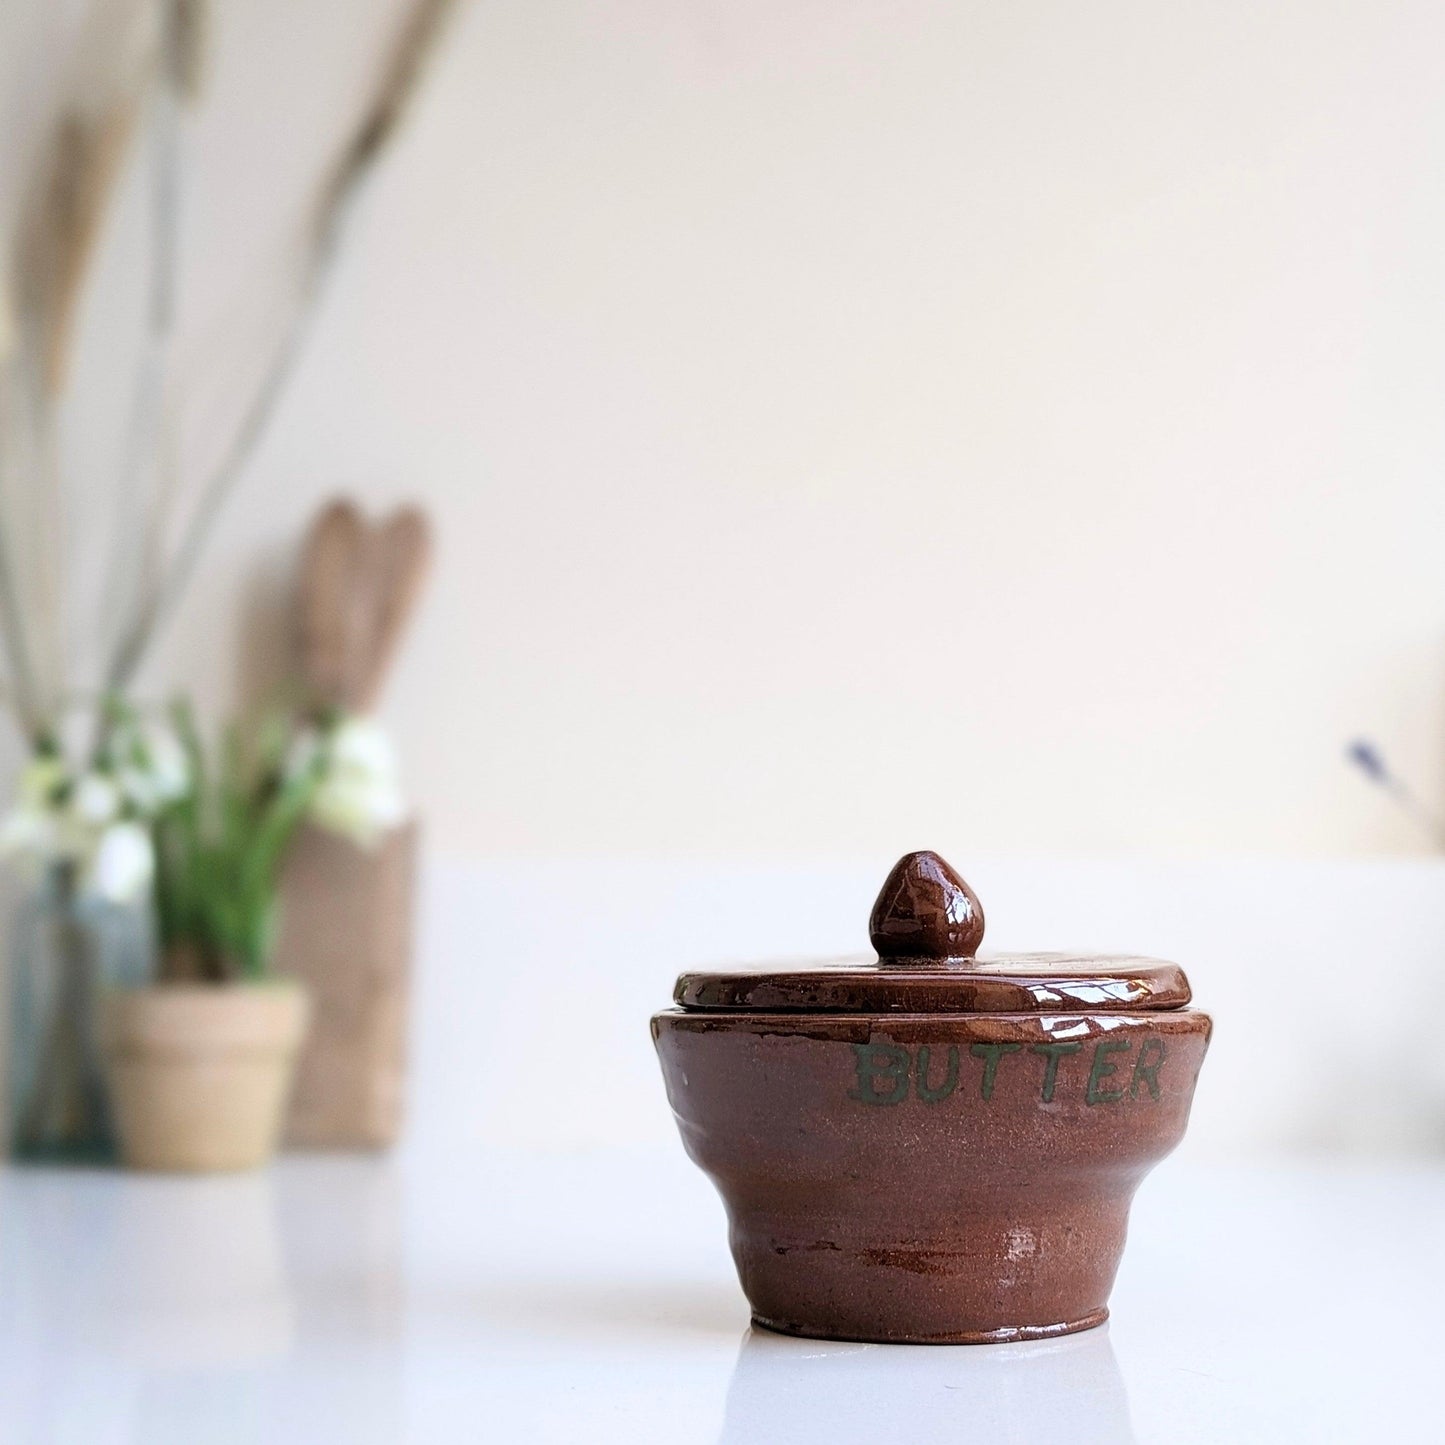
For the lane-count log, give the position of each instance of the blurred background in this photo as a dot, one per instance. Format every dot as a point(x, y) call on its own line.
point(845, 428)
point(1046, 398)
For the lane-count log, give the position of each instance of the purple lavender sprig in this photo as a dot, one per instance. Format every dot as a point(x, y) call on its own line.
point(1371, 762)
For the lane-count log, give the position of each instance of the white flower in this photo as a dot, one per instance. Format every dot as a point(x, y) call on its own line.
point(170, 768)
point(358, 795)
point(356, 808)
point(152, 768)
point(38, 829)
point(123, 863)
point(95, 800)
point(361, 745)
point(62, 817)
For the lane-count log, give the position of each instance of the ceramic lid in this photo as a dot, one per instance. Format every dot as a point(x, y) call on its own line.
point(926, 927)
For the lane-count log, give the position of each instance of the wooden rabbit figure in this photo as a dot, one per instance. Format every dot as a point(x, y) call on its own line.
point(346, 918)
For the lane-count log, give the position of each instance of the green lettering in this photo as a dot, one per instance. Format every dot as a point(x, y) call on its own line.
point(1148, 1072)
point(1053, 1052)
point(893, 1067)
point(991, 1054)
point(950, 1078)
point(1102, 1069)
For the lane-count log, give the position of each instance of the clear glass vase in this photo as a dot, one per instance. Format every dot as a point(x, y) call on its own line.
point(67, 949)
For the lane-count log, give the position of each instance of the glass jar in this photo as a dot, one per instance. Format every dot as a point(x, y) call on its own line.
point(68, 948)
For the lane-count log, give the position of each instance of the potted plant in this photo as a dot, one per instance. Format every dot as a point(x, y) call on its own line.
point(200, 1063)
point(130, 82)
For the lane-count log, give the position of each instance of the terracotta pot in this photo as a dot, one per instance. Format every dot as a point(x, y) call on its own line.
point(200, 1073)
point(930, 1146)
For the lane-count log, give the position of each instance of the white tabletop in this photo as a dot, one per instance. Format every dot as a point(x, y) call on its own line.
point(590, 1299)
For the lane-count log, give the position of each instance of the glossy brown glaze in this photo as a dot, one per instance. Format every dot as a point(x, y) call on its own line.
point(933, 1176)
point(925, 911)
point(1014, 983)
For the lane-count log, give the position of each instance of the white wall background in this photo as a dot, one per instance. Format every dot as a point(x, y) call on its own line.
point(856, 424)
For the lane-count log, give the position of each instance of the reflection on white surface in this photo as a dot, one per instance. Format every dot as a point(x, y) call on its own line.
point(152, 1308)
point(194, 1269)
point(559, 1299)
point(1015, 1394)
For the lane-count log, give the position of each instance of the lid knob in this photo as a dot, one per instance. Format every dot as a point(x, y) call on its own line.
point(926, 911)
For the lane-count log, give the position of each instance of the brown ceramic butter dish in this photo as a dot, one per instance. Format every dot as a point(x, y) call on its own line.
point(931, 1146)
